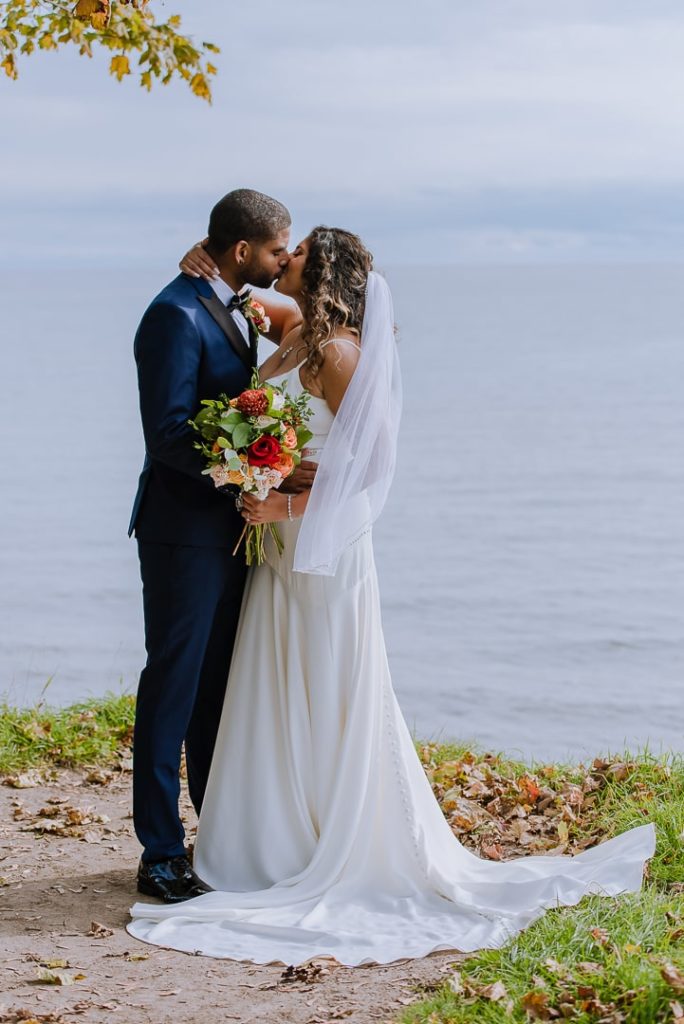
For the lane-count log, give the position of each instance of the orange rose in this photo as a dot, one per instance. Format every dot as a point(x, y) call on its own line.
point(216, 448)
point(285, 464)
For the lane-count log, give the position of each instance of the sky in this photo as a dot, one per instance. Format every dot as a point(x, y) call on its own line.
point(443, 131)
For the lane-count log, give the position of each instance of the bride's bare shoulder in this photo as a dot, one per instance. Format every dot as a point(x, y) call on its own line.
point(342, 350)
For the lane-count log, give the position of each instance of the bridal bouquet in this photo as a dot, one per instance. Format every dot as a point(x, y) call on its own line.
point(253, 442)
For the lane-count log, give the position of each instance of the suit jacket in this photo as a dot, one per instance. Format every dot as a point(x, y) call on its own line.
point(187, 347)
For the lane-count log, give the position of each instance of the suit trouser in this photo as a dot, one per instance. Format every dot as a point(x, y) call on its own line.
point(191, 600)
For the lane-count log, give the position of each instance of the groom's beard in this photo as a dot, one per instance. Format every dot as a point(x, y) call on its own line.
point(258, 277)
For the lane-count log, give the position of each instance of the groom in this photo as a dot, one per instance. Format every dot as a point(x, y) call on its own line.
point(192, 343)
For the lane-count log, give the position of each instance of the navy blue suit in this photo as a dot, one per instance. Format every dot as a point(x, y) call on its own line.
point(188, 347)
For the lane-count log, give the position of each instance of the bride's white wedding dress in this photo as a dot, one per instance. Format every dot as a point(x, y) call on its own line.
point(319, 830)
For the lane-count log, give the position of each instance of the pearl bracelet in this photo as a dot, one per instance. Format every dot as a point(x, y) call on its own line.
point(289, 508)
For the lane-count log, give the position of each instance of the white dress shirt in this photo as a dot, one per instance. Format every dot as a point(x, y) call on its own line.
point(225, 293)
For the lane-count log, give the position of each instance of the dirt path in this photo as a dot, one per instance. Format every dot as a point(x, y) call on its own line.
point(66, 883)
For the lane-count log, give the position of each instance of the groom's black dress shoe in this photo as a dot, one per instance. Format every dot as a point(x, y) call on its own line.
point(171, 880)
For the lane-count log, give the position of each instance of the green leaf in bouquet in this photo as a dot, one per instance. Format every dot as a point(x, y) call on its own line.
point(303, 435)
point(232, 461)
point(230, 419)
point(242, 435)
point(223, 442)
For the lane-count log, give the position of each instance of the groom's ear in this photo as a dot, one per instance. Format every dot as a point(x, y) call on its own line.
point(241, 252)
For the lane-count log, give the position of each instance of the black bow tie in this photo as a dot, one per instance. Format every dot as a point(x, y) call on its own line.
point(238, 301)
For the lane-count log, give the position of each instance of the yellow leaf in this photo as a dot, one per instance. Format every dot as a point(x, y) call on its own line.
point(200, 87)
point(46, 42)
point(175, 20)
point(50, 977)
point(9, 66)
point(146, 80)
point(120, 67)
point(99, 12)
point(211, 70)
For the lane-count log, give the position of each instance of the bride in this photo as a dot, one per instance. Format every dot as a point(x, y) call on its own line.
point(319, 832)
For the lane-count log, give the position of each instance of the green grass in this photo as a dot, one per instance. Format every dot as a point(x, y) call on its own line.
point(639, 934)
point(91, 733)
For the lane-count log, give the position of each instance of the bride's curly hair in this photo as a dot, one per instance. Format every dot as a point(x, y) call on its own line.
point(334, 289)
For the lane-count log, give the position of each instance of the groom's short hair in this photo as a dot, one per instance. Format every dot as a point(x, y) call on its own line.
point(245, 216)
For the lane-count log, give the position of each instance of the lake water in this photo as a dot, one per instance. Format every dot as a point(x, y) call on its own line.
point(531, 555)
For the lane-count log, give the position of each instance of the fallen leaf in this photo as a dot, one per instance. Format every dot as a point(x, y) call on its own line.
point(529, 787)
point(49, 977)
point(24, 780)
point(99, 931)
point(494, 992)
point(455, 983)
point(589, 967)
point(563, 831)
point(304, 973)
point(673, 977)
point(492, 851)
point(536, 1006)
point(554, 966)
point(49, 812)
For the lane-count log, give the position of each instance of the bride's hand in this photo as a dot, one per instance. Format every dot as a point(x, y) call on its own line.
point(271, 510)
point(301, 479)
point(198, 263)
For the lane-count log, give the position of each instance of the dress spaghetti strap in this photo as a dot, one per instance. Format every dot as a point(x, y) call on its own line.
point(347, 340)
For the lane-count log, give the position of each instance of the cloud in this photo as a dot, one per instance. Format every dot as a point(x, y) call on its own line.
point(475, 116)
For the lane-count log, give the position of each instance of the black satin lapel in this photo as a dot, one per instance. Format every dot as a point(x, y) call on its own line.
point(220, 314)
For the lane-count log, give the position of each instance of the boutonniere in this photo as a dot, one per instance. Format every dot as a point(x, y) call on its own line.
point(254, 311)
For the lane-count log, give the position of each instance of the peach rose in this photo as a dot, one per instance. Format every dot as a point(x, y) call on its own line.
point(290, 438)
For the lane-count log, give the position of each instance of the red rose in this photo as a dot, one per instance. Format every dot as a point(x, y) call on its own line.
point(264, 452)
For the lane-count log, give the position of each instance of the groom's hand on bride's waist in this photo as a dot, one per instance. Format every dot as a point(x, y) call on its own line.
point(301, 480)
